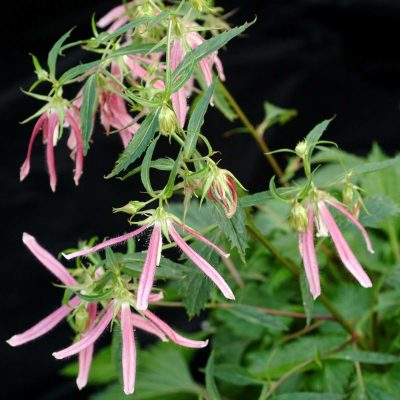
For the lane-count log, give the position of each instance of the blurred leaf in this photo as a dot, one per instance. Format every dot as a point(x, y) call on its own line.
point(366, 357)
point(211, 386)
point(308, 301)
point(309, 396)
point(276, 115)
point(88, 109)
point(235, 375)
point(379, 207)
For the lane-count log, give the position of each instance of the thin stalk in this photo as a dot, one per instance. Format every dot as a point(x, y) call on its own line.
point(253, 131)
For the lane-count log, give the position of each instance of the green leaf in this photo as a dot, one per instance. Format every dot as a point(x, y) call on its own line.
point(309, 396)
point(88, 109)
point(169, 187)
point(234, 228)
point(55, 52)
point(313, 137)
point(276, 115)
point(138, 144)
point(136, 48)
point(255, 317)
point(367, 168)
point(196, 121)
point(97, 297)
point(145, 167)
point(185, 69)
point(308, 302)
point(161, 164)
point(366, 357)
point(211, 386)
point(76, 71)
point(222, 104)
point(102, 371)
point(195, 290)
point(379, 208)
point(235, 375)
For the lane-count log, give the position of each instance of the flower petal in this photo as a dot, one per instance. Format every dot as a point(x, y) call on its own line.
point(145, 325)
point(128, 350)
point(45, 325)
point(174, 336)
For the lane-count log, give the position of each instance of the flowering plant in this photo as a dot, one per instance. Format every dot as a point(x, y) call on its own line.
point(157, 71)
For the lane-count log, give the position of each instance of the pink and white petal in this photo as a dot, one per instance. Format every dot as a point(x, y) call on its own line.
point(174, 336)
point(90, 337)
point(111, 16)
point(354, 221)
point(118, 23)
point(85, 363)
point(149, 269)
point(342, 247)
point(51, 165)
point(155, 297)
point(128, 350)
point(73, 121)
point(111, 242)
point(48, 260)
point(45, 325)
point(145, 325)
point(201, 263)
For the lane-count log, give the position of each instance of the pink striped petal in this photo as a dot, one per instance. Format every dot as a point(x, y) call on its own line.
point(51, 165)
point(128, 350)
point(201, 263)
point(220, 68)
point(90, 337)
point(149, 268)
point(111, 16)
point(118, 23)
point(351, 218)
point(307, 251)
point(197, 235)
point(145, 325)
point(111, 242)
point(24, 171)
point(51, 263)
point(73, 121)
point(155, 297)
point(174, 336)
point(342, 247)
point(45, 325)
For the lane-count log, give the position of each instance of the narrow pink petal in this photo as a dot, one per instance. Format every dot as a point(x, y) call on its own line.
point(145, 325)
point(342, 247)
point(128, 350)
point(155, 297)
point(51, 165)
point(350, 217)
point(220, 68)
point(86, 355)
point(149, 268)
point(174, 336)
point(24, 171)
point(90, 337)
point(111, 242)
point(51, 263)
point(117, 24)
point(197, 235)
point(73, 121)
point(111, 16)
point(45, 325)
point(202, 264)
point(307, 251)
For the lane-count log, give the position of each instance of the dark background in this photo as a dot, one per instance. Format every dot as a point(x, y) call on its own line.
point(323, 57)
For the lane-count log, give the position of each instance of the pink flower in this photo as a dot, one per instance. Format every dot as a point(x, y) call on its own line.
point(116, 17)
point(49, 123)
point(326, 225)
point(113, 112)
point(129, 321)
point(154, 254)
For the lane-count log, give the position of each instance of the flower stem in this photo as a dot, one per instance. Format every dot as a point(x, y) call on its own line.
point(253, 131)
point(288, 264)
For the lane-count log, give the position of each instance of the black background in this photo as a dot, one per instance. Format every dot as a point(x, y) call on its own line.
point(323, 57)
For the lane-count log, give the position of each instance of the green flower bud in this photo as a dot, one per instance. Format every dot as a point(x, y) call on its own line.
point(301, 149)
point(348, 194)
point(81, 319)
point(167, 120)
point(131, 208)
point(299, 217)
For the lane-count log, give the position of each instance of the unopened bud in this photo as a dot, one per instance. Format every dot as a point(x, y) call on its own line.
point(200, 5)
point(145, 11)
point(299, 217)
point(301, 149)
point(167, 120)
point(131, 208)
point(81, 319)
point(348, 194)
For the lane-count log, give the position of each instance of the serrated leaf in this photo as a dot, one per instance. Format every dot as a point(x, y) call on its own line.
point(88, 109)
point(195, 292)
point(234, 228)
point(369, 167)
point(235, 375)
point(255, 317)
point(185, 69)
point(380, 208)
point(211, 386)
point(366, 357)
point(54, 53)
point(145, 167)
point(308, 302)
point(308, 396)
point(196, 121)
point(138, 144)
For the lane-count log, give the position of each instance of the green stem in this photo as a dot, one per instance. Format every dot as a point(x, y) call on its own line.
point(253, 131)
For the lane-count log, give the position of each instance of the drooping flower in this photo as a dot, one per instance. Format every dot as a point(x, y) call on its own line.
point(319, 215)
point(167, 227)
point(50, 123)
